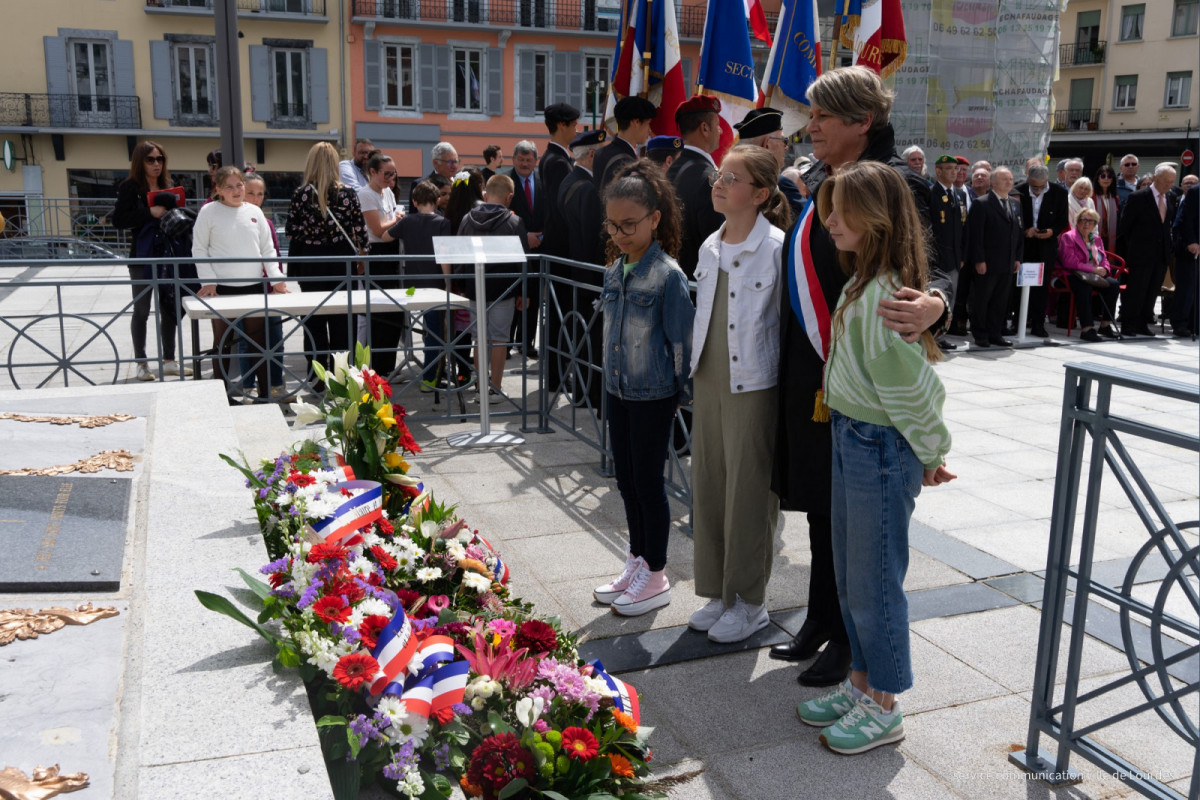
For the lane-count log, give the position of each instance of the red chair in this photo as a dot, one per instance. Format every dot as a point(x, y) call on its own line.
point(1059, 284)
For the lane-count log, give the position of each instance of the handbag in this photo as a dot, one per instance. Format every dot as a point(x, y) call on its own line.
point(1092, 279)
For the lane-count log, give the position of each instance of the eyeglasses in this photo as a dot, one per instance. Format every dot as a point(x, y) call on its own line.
point(156, 159)
point(783, 139)
point(389, 174)
point(724, 178)
point(626, 228)
point(1130, 164)
point(1083, 222)
point(449, 160)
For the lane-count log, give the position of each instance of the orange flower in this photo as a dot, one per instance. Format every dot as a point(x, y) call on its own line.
point(625, 720)
point(469, 788)
point(620, 765)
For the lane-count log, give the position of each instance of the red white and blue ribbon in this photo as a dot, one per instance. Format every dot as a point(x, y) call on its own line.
point(804, 290)
point(625, 697)
point(333, 461)
point(358, 511)
point(500, 571)
point(439, 683)
point(393, 650)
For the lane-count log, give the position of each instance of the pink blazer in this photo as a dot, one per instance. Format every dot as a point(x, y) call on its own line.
point(1073, 253)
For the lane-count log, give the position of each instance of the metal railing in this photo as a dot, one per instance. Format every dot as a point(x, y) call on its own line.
point(1088, 417)
point(1076, 119)
point(1081, 55)
point(70, 110)
point(299, 7)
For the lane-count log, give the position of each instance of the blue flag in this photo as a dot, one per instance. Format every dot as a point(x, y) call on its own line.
point(795, 62)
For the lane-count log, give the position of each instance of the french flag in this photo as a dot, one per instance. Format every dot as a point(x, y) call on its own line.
point(879, 40)
point(646, 62)
point(358, 511)
point(393, 650)
point(758, 20)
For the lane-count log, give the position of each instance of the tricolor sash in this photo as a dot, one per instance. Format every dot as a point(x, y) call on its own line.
point(625, 697)
point(804, 290)
point(393, 650)
point(439, 683)
point(357, 511)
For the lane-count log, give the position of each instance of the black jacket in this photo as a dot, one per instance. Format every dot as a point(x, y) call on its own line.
point(609, 159)
point(582, 215)
point(552, 170)
point(534, 218)
point(1054, 215)
point(948, 218)
point(1187, 225)
point(995, 239)
point(689, 175)
point(1143, 238)
point(491, 219)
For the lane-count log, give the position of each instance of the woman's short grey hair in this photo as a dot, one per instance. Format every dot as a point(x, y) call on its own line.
point(853, 94)
point(525, 147)
point(443, 149)
point(908, 151)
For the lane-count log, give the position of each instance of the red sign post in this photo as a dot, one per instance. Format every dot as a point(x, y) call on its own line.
point(1187, 158)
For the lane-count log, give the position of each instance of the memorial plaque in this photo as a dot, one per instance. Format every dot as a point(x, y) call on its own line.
point(63, 533)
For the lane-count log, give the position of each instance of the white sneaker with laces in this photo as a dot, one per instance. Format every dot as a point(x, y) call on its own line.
point(705, 617)
point(144, 374)
point(738, 622)
point(173, 368)
point(647, 591)
point(611, 591)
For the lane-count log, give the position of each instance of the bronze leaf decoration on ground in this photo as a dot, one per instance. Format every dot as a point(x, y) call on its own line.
point(25, 623)
point(46, 782)
point(118, 460)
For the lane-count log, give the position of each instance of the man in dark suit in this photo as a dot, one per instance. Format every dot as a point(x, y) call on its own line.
point(996, 242)
point(633, 115)
point(530, 203)
point(1187, 251)
point(700, 127)
point(583, 216)
point(1144, 241)
point(445, 163)
point(561, 120)
point(948, 218)
point(1044, 207)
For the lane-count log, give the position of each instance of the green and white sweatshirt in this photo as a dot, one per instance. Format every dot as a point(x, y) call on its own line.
point(875, 376)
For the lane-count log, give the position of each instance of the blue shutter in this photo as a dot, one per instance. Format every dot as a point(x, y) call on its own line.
point(160, 80)
point(128, 113)
point(426, 55)
point(260, 83)
point(495, 82)
point(687, 76)
point(57, 80)
point(560, 86)
point(373, 75)
point(443, 76)
point(575, 90)
point(318, 67)
point(525, 83)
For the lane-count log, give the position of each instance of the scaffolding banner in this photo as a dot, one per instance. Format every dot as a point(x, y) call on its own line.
point(978, 80)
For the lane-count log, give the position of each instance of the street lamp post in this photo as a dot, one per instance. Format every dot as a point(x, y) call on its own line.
point(229, 83)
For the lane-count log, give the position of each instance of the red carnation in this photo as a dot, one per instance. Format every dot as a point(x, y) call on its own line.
point(333, 608)
point(385, 526)
point(300, 479)
point(497, 761)
point(354, 670)
point(325, 551)
point(579, 744)
point(537, 636)
point(347, 589)
point(383, 558)
point(370, 629)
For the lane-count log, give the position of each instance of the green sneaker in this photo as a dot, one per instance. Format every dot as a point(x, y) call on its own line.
point(829, 707)
point(864, 728)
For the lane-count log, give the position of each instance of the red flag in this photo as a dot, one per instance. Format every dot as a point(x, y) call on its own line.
point(879, 39)
point(758, 21)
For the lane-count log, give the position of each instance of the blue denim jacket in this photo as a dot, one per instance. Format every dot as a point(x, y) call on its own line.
point(647, 329)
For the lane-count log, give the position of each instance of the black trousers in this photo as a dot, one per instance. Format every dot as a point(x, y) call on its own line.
point(330, 333)
point(823, 607)
point(1083, 301)
point(138, 323)
point(989, 302)
point(1142, 285)
point(640, 431)
point(1183, 311)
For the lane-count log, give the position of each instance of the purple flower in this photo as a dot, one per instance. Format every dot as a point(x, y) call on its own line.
point(278, 565)
point(247, 483)
point(286, 591)
point(262, 493)
point(310, 595)
point(441, 758)
point(462, 709)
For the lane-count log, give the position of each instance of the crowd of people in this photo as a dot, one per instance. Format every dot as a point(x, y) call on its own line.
point(796, 308)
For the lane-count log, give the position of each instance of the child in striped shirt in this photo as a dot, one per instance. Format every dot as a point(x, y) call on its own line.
point(889, 440)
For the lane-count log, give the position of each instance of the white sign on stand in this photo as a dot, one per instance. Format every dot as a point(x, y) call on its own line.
point(1029, 274)
point(480, 250)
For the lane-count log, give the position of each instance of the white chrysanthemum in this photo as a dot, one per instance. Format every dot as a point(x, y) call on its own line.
point(473, 580)
point(370, 540)
point(322, 506)
point(362, 567)
point(598, 686)
point(413, 785)
point(374, 606)
point(456, 550)
point(356, 618)
point(391, 707)
point(427, 574)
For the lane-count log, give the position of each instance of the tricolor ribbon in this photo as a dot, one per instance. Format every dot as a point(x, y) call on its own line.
point(625, 697)
point(500, 570)
point(804, 289)
point(356, 512)
point(393, 650)
point(333, 461)
point(439, 683)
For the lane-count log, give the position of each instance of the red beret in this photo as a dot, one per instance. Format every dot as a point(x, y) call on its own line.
point(962, 160)
point(698, 103)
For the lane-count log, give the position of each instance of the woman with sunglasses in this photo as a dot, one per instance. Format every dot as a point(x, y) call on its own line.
point(1108, 205)
point(380, 212)
point(133, 212)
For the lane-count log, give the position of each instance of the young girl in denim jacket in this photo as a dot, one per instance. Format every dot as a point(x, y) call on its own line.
point(889, 440)
point(647, 350)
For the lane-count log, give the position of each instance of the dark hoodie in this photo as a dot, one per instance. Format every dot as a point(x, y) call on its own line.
point(491, 219)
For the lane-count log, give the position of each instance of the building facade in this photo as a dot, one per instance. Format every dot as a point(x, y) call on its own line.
point(1127, 82)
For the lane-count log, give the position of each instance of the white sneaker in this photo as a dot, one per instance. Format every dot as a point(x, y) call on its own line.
point(647, 591)
point(611, 591)
point(144, 374)
point(173, 368)
point(704, 618)
point(738, 622)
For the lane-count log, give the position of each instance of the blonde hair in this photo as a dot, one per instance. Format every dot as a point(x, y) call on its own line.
point(321, 172)
point(1087, 213)
point(764, 174)
point(1086, 183)
point(873, 199)
point(852, 94)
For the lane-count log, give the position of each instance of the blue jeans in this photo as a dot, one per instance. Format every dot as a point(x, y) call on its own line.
point(876, 480)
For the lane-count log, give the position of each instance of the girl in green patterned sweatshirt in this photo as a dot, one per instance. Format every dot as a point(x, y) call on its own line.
point(889, 440)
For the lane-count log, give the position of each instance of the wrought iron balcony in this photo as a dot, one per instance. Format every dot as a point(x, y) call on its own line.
point(70, 110)
point(307, 8)
point(1081, 55)
point(1076, 119)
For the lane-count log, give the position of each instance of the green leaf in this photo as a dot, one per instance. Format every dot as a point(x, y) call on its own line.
point(362, 355)
point(410, 291)
point(442, 784)
point(355, 744)
point(260, 588)
point(330, 719)
point(553, 795)
point(214, 602)
point(498, 724)
point(242, 468)
point(601, 796)
point(514, 786)
point(456, 732)
point(289, 657)
point(350, 417)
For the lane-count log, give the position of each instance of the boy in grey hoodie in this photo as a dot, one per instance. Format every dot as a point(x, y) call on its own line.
point(493, 218)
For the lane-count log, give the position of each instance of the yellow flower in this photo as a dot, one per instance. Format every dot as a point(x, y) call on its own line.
point(366, 398)
point(385, 415)
point(394, 460)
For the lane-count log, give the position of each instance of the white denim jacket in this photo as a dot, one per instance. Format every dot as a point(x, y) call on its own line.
point(755, 282)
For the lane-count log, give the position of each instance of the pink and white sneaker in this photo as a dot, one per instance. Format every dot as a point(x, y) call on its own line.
point(611, 591)
point(647, 591)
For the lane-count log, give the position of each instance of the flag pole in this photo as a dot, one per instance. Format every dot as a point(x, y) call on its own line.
point(837, 34)
point(646, 55)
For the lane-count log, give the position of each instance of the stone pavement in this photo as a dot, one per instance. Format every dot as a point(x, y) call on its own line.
point(170, 681)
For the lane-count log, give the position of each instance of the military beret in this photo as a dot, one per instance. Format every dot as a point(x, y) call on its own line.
point(698, 104)
point(963, 160)
point(759, 122)
point(632, 107)
point(589, 138)
point(671, 144)
point(945, 160)
point(561, 112)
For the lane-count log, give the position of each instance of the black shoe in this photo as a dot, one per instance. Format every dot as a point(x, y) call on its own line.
point(803, 646)
point(946, 345)
point(1144, 331)
point(1000, 341)
point(982, 343)
point(1108, 333)
point(1041, 333)
point(831, 667)
point(1090, 335)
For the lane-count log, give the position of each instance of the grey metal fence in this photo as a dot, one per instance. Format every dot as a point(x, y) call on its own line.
point(1162, 648)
